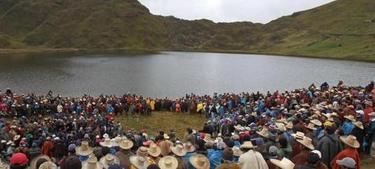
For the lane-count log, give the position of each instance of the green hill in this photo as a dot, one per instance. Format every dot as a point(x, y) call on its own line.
point(341, 29)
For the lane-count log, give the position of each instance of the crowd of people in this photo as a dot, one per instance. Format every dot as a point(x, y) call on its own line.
point(320, 127)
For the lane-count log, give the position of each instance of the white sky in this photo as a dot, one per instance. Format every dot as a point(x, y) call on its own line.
point(260, 11)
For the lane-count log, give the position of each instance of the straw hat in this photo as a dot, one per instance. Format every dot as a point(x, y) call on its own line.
point(264, 132)
point(108, 160)
point(166, 136)
point(298, 135)
point(282, 120)
point(311, 126)
point(48, 165)
point(207, 138)
point(247, 144)
point(126, 144)
point(358, 124)
point(107, 143)
point(350, 117)
point(179, 150)
point(280, 126)
point(16, 137)
point(237, 151)
point(289, 125)
point(283, 164)
point(199, 161)
point(168, 162)
point(350, 141)
point(154, 150)
point(189, 147)
point(142, 151)
point(92, 163)
point(35, 160)
point(307, 142)
point(139, 162)
point(84, 149)
point(316, 122)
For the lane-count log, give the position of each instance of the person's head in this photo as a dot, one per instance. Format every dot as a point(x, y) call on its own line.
point(189, 130)
point(48, 165)
point(40, 161)
point(72, 162)
point(313, 158)
point(330, 130)
point(19, 161)
point(153, 166)
point(283, 142)
point(346, 163)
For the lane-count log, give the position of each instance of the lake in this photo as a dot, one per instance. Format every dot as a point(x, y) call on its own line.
point(173, 74)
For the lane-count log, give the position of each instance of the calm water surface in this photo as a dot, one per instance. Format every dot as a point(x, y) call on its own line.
point(173, 74)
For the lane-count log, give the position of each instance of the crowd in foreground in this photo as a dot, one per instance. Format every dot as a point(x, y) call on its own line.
point(314, 128)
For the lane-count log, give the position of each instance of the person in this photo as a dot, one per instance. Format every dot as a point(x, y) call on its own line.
point(346, 163)
point(282, 164)
point(72, 162)
point(124, 153)
point(313, 162)
point(251, 158)
point(18, 161)
point(307, 146)
point(351, 145)
point(329, 145)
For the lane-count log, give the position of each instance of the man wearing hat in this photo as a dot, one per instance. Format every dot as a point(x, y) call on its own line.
point(251, 158)
point(18, 161)
point(307, 146)
point(124, 153)
point(351, 145)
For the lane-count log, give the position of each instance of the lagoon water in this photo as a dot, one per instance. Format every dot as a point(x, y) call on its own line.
point(173, 74)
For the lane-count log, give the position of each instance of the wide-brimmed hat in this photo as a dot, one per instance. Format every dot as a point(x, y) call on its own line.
point(168, 162)
point(139, 162)
point(199, 161)
point(84, 149)
point(307, 142)
point(350, 141)
point(166, 136)
point(372, 114)
point(16, 137)
point(92, 163)
point(179, 150)
point(237, 151)
point(107, 143)
point(154, 150)
point(247, 144)
point(189, 147)
point(264, 132)
point(316, 122)
point(36, 159)
point(208, 138)
point(359, 124)
point(350, 117)
point(142, 151)
point(311, 126)
point(283, 164)
point(282, 120)
point(108, 160)
point(126, 144)
point(280, 126)
point(289, 125)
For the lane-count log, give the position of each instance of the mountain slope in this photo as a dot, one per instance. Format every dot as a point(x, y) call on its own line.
point(341, 29)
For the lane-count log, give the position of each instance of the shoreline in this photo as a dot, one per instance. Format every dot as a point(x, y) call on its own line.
point(32, 51)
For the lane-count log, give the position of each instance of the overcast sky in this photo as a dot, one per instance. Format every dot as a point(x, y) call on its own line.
point(261, 11)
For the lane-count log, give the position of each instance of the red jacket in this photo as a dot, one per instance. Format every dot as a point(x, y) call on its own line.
point(348, 152)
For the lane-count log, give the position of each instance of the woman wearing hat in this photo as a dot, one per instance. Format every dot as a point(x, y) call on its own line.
point(108, 160)
point(199, 161)
point(351, 146)
point(348, 125)
point(154, 152)
point(168, 162)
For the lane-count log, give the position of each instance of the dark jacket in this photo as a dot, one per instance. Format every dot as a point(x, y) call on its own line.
point(329, 146)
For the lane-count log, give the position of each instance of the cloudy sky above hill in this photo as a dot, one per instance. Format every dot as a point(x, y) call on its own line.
point(260, 11)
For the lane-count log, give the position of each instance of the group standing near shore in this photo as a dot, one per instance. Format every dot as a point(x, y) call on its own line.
point(317, 127)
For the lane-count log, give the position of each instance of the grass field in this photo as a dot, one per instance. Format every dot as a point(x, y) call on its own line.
point(163, 121)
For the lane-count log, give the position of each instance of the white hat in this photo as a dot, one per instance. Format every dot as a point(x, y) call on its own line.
point(168, 162)
point(283, 164)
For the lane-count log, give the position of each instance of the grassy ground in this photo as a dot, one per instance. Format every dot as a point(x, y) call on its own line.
point(163, 121)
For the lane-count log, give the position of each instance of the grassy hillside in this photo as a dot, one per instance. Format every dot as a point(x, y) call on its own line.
point(342, 29)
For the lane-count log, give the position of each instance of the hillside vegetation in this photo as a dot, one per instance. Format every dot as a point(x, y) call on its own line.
point(342, 29)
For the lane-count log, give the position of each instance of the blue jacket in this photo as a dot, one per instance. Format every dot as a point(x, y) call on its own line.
point(215, 157)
